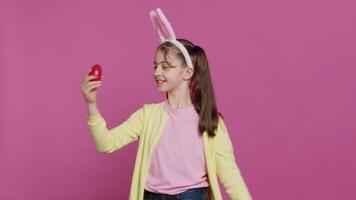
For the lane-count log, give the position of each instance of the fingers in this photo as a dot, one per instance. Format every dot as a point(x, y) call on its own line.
point(94, 86)
point(86, 85)
point(89, 77)
point(87, 80)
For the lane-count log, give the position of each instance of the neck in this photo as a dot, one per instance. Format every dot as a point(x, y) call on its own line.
point(180, 98)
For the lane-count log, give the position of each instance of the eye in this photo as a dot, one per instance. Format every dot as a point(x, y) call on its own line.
point(170, 65)
point(165, 67)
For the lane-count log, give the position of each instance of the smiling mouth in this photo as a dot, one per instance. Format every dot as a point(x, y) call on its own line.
point(160, 82)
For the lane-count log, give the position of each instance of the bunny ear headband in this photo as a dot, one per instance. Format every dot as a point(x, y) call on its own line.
point(166, 33)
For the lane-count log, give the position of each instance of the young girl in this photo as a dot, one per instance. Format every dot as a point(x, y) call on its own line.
point(184, 144)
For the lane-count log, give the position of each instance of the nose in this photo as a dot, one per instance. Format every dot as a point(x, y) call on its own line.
point(157, 72)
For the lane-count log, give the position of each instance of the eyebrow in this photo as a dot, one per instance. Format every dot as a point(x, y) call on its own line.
point(154, 62)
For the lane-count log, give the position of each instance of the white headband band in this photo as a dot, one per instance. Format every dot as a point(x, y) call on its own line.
point(165, 33)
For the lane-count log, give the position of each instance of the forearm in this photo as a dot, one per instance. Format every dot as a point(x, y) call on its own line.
point(98, 128)
point(233, 181)
point(100, 133)
point(110, 140)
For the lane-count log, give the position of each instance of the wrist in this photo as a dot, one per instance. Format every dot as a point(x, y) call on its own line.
point(92, 103)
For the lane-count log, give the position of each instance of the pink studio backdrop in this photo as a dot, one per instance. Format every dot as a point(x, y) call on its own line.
point(283, 72)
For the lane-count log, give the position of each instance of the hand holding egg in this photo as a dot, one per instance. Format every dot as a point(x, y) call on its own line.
point(90, 83)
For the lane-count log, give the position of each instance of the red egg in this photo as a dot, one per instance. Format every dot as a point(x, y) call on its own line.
point(96, 70)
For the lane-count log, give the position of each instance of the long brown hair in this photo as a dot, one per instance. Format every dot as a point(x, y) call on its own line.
point(201, 86)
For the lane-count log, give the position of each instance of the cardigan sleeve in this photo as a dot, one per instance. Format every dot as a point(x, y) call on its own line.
point(108, 141)
point(227, 169)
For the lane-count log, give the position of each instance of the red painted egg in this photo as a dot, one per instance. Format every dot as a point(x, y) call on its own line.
point(96, 70)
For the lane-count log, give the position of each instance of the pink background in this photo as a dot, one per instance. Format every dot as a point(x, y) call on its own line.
point(283, 72)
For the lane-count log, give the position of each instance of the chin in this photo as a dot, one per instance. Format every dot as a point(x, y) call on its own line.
point(163, 89)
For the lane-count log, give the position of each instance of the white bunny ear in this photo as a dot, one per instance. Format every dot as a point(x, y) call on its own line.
point(162, 26)
point(165, 33)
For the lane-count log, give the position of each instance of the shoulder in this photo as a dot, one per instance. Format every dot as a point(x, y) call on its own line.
point(221, 130)
point(151, 107)
point(221, 122)
point(222, 138)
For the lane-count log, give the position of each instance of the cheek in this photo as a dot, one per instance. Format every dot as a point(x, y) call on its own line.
point(172, 80)
point(173, 76)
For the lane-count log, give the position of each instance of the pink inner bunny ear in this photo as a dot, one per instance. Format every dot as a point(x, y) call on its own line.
point(162, 26)
point(165, 24)
point(156, 25)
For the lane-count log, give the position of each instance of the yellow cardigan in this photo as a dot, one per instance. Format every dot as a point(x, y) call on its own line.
point(146, 124)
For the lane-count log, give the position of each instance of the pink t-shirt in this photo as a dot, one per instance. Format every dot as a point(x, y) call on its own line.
point(178, 162)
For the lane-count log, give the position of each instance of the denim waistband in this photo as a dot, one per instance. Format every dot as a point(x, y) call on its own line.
point(193, 193)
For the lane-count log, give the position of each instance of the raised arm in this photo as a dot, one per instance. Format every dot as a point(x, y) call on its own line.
point(108, 141)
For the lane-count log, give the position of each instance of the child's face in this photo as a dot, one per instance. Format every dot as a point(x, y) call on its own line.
point(168, 74)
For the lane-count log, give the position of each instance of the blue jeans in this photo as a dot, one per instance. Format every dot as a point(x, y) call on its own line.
point(191, 194)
